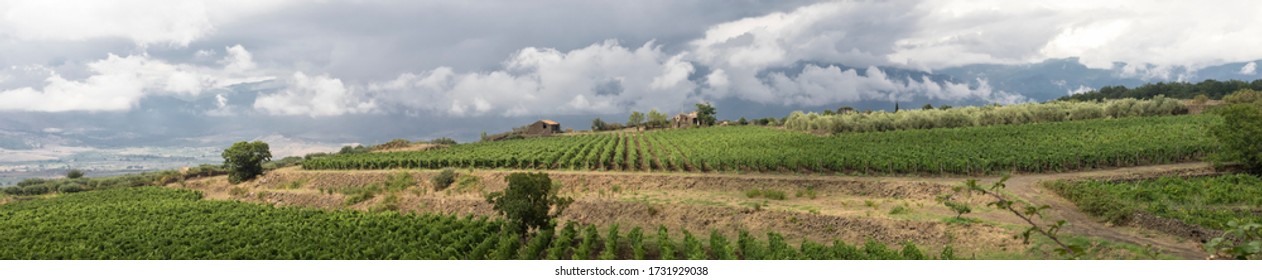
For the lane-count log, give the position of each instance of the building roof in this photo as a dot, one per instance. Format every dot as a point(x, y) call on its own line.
point(549, 122)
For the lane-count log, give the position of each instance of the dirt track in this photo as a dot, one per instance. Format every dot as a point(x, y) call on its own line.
point(852, 209)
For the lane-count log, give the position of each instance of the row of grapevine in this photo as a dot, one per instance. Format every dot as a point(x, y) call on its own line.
point(161, 223)
point(1046, 147)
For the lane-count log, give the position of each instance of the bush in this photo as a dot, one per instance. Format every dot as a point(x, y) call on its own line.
point(444, 179)
point(244, 160)
point(444, 141)
point(1240, 133)
point(74, 174)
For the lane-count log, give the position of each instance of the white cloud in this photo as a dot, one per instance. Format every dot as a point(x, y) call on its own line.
point(1249, 69)
point(313, 96)
point(118, 83)
point(601, 78)
point(145, 22)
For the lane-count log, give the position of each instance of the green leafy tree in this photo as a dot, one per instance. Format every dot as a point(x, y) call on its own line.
point(706, 113)
point(1241, 136)
point(656, 119)
point(244, 160)
point(742, 121)
point(598, 125)
point(636, 119)
point(529, 202)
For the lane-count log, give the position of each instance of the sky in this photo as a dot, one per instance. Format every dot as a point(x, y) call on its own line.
point(186, 73)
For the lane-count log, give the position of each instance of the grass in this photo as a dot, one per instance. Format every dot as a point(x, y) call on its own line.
point(766, 193)
point(899, 210)
point(808, 192)
point(1209, 202)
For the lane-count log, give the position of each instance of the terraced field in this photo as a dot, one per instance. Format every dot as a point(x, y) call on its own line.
point(163, 223)
point(1047, 147)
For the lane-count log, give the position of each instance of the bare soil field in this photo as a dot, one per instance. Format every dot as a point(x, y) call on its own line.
point(818, 208)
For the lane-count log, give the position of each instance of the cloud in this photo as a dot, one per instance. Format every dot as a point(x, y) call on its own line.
point(600, 78)
point(118, 83)
point(313, 96)
point(145, 22)
point(1249, 69)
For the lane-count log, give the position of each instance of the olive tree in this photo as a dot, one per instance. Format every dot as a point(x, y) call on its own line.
point(244, 160)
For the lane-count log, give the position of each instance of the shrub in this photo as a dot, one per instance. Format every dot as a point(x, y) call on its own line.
point(443, 141)
point(444, 179)
point(1240, 133)
point(74, 174)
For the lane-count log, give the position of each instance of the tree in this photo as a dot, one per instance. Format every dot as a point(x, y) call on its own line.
point(927, 107)
point(705, 113)
point(74, 174)
point(527, 201)
point(598, 125)
point(742, 121)
point(244, 160)
point(657, 119)
point(1241, 136)
point(636, 119)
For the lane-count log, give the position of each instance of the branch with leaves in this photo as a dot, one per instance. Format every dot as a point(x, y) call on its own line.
point(1027, 213)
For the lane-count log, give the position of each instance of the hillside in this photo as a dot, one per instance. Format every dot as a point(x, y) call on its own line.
point(1043, 147)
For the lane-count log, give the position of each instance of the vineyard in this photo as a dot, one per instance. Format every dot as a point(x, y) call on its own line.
point(1045, 147)
point(160, 223)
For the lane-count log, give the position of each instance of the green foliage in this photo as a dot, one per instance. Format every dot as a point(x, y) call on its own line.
point(1026, 113)
point(808, 192)
point(960, 208)
point(1031, 214)
point(599, 125)
point(537, 245)
point(635, 119)
point(443, 179)
point(899, 210)
point(1211, 202)
point(587, 245)
point(657, 119)
point(399, 181)
point(720, 249)
point(1047, 147)
point(1241, 136)
point(611, 244)
point(637, 243)
point(443, 141)
point(666, 248)
point(563, 242)
point(357, 149)
point(1241, 241)
point(74, 174)
point(164, 223)
point(355, 195)
point(706, 114)
point(910, 252)
point(38, 186)
point(527, 201)
point(692, 247)
point(749, 247)
point(767, 193)
point(1213, 89)
point(244, 160)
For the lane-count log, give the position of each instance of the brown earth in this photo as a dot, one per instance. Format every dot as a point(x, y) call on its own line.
point(816, 207)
